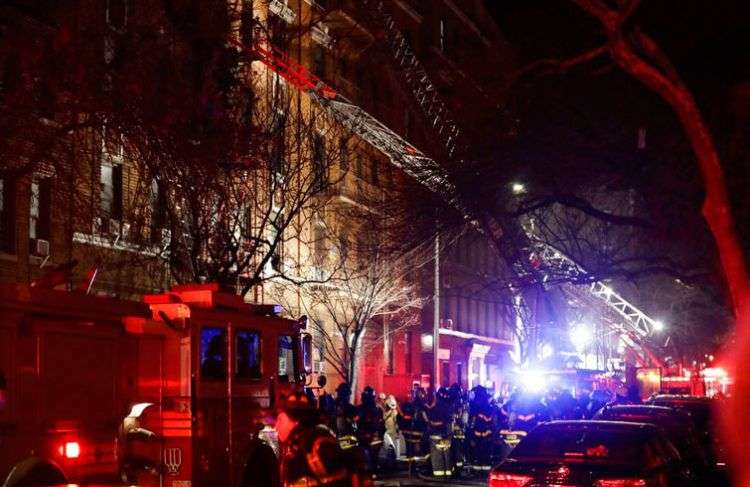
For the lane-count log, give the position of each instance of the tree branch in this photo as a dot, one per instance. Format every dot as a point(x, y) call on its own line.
point(544, 66)
point(580, 204)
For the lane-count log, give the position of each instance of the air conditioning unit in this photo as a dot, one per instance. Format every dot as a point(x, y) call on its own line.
point(319, 367)
point(446, 323)
point(114, 227)
point(280, 8)
point(96, 226)
point(40, 247)
point(320, 35)
point(166, 236)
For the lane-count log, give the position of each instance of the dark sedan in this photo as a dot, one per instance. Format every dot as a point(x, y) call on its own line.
point(702, 411)
point(593, 454)
point(677, 425)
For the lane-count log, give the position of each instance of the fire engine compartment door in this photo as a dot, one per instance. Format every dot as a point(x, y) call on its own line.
point(78, 378)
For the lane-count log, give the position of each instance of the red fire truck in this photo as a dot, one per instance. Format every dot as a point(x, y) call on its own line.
point(171, 391)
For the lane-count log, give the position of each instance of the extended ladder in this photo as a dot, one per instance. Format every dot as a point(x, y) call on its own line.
point(425, 170)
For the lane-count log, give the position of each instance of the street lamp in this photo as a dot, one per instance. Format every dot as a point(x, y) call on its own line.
point(518, 188)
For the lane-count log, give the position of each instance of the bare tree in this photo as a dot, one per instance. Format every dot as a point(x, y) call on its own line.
point(370, 284)
point(221, 164)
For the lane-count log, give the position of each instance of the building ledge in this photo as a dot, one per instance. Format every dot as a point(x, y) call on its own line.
point(4, 256)
point(472, 336)
point(118, 245)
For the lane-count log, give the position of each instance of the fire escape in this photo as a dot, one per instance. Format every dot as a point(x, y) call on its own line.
point(632, 325)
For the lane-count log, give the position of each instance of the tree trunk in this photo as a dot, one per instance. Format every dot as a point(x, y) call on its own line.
point(717, 213)
point(354, 361)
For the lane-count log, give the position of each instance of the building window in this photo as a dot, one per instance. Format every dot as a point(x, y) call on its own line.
point(319, 162)
point(158, 196)
point(443, 32)
point(374, 172)
point(40, 206)
point(277, 28)
point(286, 358)
point(247, 358)
point(320, 243)
point(445, 373)
point(246, 22)
point(213, 353)
point(110, 180)
point(319, 61)
point(359, 167)
point(388, 349)
point(278, 150)
point(344, 154)
point(276, 220)
point(7, 215)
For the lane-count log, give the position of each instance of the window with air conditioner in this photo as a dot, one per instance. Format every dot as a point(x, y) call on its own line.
point(7, 215)
point(40, 207)
point(110, 195)
point(158, 200)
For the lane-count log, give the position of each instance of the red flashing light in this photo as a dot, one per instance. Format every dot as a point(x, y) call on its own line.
point(502, 479)
point(70, 449)
point(621, 483)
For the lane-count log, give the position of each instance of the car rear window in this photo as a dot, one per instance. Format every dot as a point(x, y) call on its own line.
point(579, 446)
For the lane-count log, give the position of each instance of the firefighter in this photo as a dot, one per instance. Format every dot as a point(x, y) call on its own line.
point(460, 420)
point(345, 416)
point(439, 427)
point(326, 403)
point(394, 444)
point(407, 425)
point(481, 427)
point(528, 412)
point(310, 452)
point(370, 426)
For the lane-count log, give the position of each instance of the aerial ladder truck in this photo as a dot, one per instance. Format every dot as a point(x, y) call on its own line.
point(633, 326)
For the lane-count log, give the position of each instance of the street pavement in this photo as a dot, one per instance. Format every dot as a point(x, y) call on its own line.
point(402, 479)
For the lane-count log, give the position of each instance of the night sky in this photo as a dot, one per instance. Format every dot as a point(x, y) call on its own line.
point(581, 128)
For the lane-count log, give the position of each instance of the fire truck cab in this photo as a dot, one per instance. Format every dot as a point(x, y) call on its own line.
point(171, 391)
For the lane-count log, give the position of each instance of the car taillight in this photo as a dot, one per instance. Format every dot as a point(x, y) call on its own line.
point(502, 479)
point(70, 449)
point(621, 483)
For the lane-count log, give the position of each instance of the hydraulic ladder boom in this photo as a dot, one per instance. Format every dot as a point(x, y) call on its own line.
point(425, 170)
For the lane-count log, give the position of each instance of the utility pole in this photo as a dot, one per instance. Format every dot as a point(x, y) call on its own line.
point(436, 317)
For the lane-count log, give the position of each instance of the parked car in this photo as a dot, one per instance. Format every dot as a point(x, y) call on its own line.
point(593, 454)
point(702, 412)
point(699, 408)
point(677, 425)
